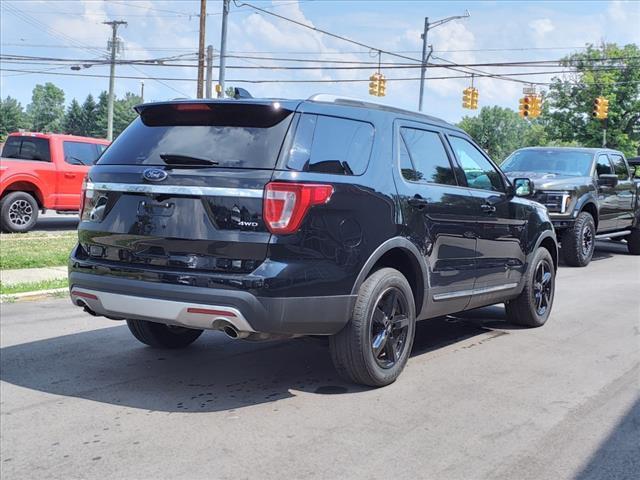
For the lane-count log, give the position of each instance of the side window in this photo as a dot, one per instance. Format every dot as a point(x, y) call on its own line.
point(27, 148)
point(603, 165)
point(331, 145)
point(479, 172)
point(77, 153)
point(427, 156)
point(620, 167)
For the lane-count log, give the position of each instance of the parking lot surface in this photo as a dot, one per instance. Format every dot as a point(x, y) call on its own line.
point(479, 398)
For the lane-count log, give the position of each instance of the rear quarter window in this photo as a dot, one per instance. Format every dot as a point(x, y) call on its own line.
point(324, 144)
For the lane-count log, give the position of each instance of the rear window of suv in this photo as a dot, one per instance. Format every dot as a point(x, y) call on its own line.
point(27, 148)
point(335, 145)
point(229, 136)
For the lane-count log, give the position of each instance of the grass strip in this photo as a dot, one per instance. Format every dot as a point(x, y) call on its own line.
point(33, 286)
point(31, 251)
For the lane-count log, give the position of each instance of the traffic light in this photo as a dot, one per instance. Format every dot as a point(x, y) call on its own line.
point(377, 85)
point(600, 108)
point(470, 98)
point(536, 106)
point(382, 86)
point(474, 98)
point(466, 98)
point(525, 106)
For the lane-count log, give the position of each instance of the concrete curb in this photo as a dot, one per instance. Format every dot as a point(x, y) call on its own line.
point(35, 295)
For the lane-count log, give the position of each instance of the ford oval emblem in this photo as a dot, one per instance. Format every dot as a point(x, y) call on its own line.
point(154, 175)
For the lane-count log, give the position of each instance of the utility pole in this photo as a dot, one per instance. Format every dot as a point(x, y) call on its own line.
point(425, 56)
point(209, 71)
point(114, 24)
point(203, 19)
point(141, 91)
point(223, 48)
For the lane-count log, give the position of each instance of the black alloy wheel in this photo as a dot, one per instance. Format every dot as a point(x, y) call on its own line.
point(389, 327)
point(543, 287)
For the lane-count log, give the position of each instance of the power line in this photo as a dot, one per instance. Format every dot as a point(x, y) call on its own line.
point(258, 81)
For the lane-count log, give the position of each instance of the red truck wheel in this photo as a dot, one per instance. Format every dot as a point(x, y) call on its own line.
point(18, 212)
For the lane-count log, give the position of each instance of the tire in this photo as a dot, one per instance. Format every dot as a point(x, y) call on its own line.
point(18, 212)
point(633, 242)
point(533, 306)
point(159, 335)
point(384, 315)
point(579, 241)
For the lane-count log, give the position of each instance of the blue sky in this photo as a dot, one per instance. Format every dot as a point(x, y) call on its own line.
point(497, 31)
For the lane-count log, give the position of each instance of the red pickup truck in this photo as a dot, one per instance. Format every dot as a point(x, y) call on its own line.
point(40, 171)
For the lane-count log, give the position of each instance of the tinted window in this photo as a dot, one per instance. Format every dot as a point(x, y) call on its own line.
point(620, 167)
point(479, 171)
point(560, 162)
point(27, 148)
point(603, 165)
point(75, 152)
point(427, 157)
point(331, 145)
point(229, 146)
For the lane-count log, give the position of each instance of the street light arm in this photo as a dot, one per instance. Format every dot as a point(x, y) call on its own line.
point(437, 23)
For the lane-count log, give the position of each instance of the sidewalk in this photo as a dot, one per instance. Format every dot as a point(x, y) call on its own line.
point(29, 275)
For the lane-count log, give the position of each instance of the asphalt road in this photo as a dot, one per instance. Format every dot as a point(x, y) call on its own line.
point(479, 399)
point(52, 221)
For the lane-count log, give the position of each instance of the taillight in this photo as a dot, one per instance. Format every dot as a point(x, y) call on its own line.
point(286, 204)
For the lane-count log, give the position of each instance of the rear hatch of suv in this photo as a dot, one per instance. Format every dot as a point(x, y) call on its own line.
point(182, 187)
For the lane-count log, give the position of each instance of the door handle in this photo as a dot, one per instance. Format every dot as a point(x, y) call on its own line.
point(69, 175)
point(487, 208)
point(418, 201)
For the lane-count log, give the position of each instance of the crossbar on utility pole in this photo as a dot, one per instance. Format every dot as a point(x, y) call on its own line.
point(114, 24)
point(203, 19)
point(223, 48)
point(207, 90)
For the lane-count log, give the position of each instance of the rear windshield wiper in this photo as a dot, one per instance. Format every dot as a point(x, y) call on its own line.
point(180, 159)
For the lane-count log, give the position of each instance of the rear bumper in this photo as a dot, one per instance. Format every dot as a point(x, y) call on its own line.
point(209, 308)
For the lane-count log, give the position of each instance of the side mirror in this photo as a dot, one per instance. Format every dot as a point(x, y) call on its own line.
point(522, 187)
point(608, 180)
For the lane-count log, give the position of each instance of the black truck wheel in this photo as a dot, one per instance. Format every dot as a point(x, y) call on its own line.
point(374, 347)
point(633, 242)
point(158, 335)
point(533, 306)
point(579, 241)
point(18, 212)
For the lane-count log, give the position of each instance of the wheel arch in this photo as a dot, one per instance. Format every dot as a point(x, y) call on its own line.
point(26, 186)
point(404, 256)
point(548, 241)
point(588, 204)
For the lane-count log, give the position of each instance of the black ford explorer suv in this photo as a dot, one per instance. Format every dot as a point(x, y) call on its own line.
point(271, 219)
point(590, 193)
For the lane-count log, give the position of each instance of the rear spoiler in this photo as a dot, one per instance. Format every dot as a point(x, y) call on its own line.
point(227, 113)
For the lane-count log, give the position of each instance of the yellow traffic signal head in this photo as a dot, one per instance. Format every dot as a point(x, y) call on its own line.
point(600, 108)
point(382, 86)
point(470, 98)
point(474, 98)
point(526, 104)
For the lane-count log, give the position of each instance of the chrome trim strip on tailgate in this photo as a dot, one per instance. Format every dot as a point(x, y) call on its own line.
point(176, 190)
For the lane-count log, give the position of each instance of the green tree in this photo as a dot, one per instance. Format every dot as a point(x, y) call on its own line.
point(46, 110)
point(101, 116)
point(500, 131)
point(73, 119)
point(123, 112)
point(89, 117)
point(12, 117)
point(612, 72)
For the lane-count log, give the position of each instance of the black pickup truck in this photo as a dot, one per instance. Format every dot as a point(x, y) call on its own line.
point(589, 192)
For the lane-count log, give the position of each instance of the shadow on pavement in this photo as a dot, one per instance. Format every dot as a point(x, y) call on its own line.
point(214, 374)
point(619, 455)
